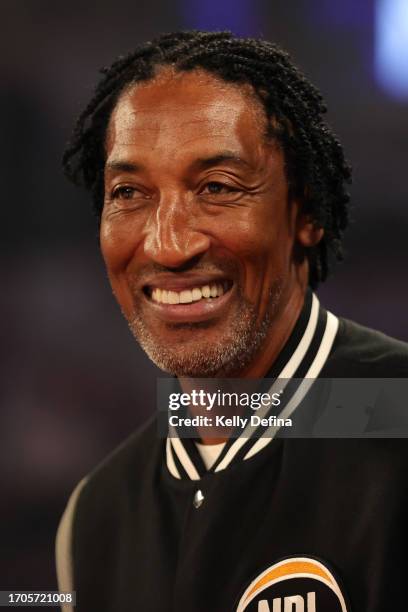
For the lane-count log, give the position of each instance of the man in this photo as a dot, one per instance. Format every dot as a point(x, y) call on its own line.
point(222, 201)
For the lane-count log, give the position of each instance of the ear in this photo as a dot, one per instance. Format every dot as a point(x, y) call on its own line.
point(308, 234)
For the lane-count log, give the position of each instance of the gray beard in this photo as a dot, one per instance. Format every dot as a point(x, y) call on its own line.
point(233, 351)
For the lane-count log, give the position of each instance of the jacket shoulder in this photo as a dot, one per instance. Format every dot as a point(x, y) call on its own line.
point(96, 509)
point(359, 351)
point(126, 465)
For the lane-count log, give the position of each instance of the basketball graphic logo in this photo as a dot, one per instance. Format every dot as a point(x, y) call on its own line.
point(297, 584)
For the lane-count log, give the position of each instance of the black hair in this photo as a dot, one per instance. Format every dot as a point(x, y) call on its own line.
point(316, 168)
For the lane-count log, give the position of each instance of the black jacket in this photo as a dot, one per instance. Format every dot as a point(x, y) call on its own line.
point(314, 525)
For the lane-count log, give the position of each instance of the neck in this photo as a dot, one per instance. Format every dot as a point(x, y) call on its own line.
point(279, 332)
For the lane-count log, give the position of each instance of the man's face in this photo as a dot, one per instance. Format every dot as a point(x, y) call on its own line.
point(197, 232)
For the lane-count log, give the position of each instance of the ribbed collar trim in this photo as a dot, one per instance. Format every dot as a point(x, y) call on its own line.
point(302, 358)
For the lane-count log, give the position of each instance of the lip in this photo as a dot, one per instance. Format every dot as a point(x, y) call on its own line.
point(202, 310)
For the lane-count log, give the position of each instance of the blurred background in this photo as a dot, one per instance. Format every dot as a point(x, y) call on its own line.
point(74, 383)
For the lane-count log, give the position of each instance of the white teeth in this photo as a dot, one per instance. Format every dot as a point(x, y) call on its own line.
point(206, 291)
point(173, 297)
point(187, 296)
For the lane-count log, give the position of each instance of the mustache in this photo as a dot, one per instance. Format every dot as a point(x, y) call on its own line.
point(145, 274)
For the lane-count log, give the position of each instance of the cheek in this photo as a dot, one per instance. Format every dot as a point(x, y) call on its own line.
point(117, 244)
point(262, 243)
point(118, 247)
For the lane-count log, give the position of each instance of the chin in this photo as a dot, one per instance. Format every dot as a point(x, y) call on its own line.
point(204, 349)
point(207, 356)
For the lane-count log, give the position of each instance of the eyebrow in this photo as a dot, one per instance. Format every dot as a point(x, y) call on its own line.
point(202, 163)
point(123, 166)
point(225, 156)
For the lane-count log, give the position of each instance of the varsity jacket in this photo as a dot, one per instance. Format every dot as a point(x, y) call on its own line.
point(276, 525)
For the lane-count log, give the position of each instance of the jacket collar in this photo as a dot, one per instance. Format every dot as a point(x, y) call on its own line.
point(302, 358)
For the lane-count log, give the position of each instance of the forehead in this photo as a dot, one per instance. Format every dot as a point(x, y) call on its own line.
point(186, 110)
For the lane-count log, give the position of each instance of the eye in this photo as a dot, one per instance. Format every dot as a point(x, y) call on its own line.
point(123, 192)
point(217, 192)
point(215, 188)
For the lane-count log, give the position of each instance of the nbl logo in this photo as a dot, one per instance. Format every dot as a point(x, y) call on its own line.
point(293, 603)
point(298, 584)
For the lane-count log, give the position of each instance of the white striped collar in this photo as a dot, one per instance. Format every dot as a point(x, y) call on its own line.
point(303, 357)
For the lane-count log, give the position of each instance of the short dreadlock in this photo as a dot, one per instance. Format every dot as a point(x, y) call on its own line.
point(315, 163)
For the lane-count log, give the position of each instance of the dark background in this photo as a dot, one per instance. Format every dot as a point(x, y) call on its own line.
point(74, 383)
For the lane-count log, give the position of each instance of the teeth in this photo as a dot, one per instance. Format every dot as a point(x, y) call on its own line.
point(206, 291)
point(173, 297)
point(187, 296)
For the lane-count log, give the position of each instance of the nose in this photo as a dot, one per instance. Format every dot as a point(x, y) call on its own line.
point(172, 233)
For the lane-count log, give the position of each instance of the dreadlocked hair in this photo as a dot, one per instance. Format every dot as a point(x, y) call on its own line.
point(316, 169)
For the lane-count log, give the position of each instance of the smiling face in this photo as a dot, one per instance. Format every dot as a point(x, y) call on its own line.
point(197, 231)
